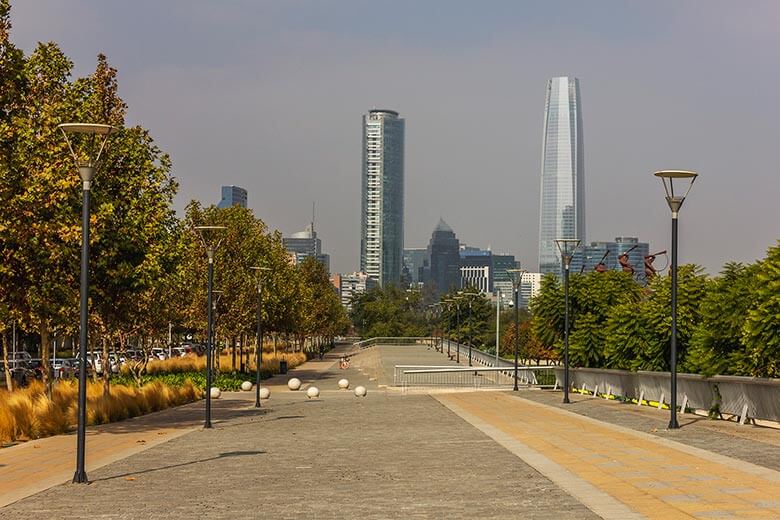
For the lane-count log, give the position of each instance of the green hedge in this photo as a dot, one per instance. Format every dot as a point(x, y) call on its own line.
point(225, 381)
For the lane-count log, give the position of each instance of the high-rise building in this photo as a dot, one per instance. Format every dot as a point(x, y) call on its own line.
point(587, 258)
point(382, 209)
point(415, 261)
point(232, 196)
point(304, 244)
point(443, 251)
point(530, 287)
point(562, 204)
point(476, 269)
point(501, 279)
point(351, 285)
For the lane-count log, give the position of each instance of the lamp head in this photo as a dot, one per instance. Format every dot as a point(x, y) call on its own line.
point(210, 237)
point(516, 276)
point(86, 142)
point(567, 247)
point(675, 182)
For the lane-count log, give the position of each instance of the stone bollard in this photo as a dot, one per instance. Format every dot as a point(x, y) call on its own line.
point(360, 391)
point(343, 384)
point(215, 392)
point(313, 392)
point(246, 386)
point(294, 384)
point(265, 393)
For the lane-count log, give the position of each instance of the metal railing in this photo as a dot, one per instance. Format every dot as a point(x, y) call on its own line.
point(471, 377)
point(398, 341)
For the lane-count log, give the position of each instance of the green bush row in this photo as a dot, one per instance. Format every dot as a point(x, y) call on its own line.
point(225, 381)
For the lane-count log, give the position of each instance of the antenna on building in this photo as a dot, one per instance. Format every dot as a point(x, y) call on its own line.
point(312, 216)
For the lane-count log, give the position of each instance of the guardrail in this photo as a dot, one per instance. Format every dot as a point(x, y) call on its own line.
point(470, 377)
point(744, 397)
point(398, 341)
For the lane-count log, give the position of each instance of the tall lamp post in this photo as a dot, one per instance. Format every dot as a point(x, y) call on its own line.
point(675, 201)
point(470, 296)
point(456, 300)
point(210, 237)
point(259, 349)
point(567, 247)
point(449, 302)
point(516, 276)
point(86, 164)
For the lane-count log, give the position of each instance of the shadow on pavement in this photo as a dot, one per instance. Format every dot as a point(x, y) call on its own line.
point(190, 463)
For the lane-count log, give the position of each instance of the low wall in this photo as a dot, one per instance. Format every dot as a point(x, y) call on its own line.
point(747, 397)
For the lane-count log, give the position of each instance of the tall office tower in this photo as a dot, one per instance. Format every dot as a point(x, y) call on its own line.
point(444, 254)
point(304, 244)
point(382, 209)
point(232, 196)
point(562, 205)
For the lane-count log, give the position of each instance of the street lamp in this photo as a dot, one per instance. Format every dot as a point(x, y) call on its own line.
point(567, 247)
point(470, 296)
point(259, 349)
point(210, 237)
point(86, 163)
point(675, 201)
point(456, 300)
point(516, 276)
point(449, 302)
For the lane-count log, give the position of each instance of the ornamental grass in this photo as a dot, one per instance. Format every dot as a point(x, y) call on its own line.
point(28, 413)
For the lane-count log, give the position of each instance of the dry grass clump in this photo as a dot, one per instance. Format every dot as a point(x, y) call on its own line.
point(191, 363)
point(29, 414)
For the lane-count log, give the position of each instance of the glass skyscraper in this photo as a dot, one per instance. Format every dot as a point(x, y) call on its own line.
point(382, 208)
point(562, 205)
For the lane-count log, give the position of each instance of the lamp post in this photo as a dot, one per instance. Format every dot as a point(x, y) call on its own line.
point(516, 276)
point(210, 237)
point(470, 296)
point(449, 302)
point(457, 328)
point(567, 247)
point(259, 349)
point(86, 163)
point(675, 201)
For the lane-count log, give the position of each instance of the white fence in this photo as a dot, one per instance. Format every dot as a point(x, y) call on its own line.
point(746, 397)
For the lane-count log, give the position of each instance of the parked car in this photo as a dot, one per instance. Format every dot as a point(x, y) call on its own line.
point(21, 374)
point(64, 368)
point(178, 352)
point(95, 362)
point(36, 365)
point(159, 353)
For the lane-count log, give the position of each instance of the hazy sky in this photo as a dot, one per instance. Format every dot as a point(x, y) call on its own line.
point(269, 96)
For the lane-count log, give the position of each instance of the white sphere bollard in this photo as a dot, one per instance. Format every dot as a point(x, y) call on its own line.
point(313, 392)
point(246, 386)
point(294, 384)
point(215, 392)
point(265, 393)
point(360, 391)
point(343, 384)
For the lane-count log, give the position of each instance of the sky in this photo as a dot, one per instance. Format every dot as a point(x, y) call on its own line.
point(269, 95)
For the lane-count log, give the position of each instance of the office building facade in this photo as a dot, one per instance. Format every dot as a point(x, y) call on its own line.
point(350, 285)
point(562, 201)
point(382, 205)
point(233, 196)
point(588, 258)
point(501, 279)
point(476, 270)
point(444, 255)
point(415, 261)
point(304, 244)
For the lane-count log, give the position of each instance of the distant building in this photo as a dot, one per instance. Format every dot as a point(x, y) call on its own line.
point(531, 284)
point(587, 258)
point(352, 284)
point(415, 260)
point(501, 279)
point(304, 244)
point(444, 257)
point(562, 207)
point(232, 196)
point(382, 208)
point(476, 269)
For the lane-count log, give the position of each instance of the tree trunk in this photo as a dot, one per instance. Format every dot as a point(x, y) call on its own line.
point(106, 368)
point(9, 383)
point(241, 352)
point(233, 354)
point(45, 350)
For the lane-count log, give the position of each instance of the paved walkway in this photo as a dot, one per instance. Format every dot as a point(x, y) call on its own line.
point(389, 455)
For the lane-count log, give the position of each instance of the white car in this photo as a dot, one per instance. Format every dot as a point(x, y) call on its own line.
point(159, 353)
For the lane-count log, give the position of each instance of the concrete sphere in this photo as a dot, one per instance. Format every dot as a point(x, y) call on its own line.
point(294, 384)
point(246, 386)
point(360, 391)
point(313, 392)
point(215, 392)
point(343, 384)
point(265, 393)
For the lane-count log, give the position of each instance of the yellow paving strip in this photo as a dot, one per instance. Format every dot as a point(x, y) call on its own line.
point(655, 479)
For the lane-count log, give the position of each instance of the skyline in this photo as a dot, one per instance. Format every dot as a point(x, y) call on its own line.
point(232, 91)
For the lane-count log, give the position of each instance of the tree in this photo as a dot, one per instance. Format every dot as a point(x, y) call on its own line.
point(761, 331)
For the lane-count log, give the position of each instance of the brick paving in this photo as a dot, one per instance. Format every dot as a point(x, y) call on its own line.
point(755, 444)
point(384, 456)
point(392, 455)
